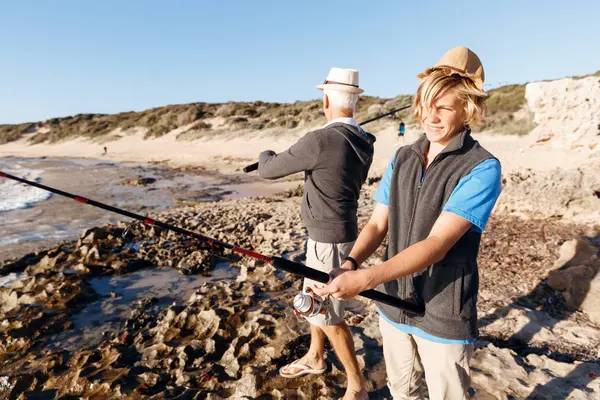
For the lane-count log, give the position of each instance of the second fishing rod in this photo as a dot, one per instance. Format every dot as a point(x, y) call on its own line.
point(254, 167)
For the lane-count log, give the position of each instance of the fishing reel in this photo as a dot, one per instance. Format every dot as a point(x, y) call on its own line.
point(309, 304)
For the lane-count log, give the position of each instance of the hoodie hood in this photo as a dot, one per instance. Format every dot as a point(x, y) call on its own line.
point(360, 140)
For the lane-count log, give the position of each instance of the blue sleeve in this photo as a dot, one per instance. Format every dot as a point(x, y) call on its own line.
point(475, 195)
point(382, 195)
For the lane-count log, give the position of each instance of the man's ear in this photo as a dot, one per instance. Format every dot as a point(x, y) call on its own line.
point(325, 101)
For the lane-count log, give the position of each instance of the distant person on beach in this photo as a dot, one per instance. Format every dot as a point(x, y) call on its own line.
point(401, 129)
point(335, 160)
point(105, 150)
point(433, 204)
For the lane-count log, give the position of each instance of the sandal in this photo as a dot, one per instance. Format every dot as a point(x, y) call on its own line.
point(303, 370)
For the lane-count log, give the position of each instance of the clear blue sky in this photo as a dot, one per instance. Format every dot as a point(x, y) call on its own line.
point(60, 58)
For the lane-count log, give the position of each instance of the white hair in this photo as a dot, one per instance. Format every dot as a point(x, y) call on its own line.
point(345, 101)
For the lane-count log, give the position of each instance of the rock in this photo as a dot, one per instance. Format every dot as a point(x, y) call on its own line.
point(578, 277)
point(140, 181)
point(243, 275)
point(561, 192)
point(8, 300)
point(48, 263)
point(501, 374)
point(155, 231)
point(536, 329)
point(94, 234)
point(196, 262)
point(580, 286)
point(566, 111)
point(576, 252)
point(93, 254)
point(246, 387)
point(145, 181)
point(81, 268)
point(118, 265)
point(5, 383)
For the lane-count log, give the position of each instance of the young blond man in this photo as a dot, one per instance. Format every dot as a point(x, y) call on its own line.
point(433, 202)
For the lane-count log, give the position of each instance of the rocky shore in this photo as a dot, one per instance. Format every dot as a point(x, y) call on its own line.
point(230, 336)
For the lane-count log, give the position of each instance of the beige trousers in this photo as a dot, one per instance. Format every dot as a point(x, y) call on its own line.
point(325, 257)
point(408, 357)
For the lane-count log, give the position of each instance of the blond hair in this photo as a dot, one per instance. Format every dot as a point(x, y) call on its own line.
point(440, 81)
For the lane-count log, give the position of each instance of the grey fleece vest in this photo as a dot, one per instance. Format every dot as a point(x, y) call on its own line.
point(447, 289)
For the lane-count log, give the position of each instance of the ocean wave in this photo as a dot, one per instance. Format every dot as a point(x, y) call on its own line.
point(15, 195)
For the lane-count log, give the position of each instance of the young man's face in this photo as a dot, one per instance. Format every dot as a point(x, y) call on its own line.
point(444, 119)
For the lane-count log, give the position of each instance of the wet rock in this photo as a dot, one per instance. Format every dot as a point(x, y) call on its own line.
point(82, 269)
point(92, 254)
point(95, 234)
point(14, 266)
point(196, 262)
point(50, 262)
point(8, 300)
point(140, 181)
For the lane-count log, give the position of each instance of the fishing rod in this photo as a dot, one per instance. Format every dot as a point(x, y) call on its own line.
point(254, 167)
point(277, 262)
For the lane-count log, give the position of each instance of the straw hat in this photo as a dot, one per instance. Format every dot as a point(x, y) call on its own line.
point(462, 61)
point(345, 80)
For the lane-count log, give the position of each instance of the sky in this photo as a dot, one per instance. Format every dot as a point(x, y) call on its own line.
point(64, 57)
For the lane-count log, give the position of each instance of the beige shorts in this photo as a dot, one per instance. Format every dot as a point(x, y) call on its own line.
point(325, 257)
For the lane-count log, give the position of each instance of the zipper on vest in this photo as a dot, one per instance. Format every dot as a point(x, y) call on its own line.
point(412, 217)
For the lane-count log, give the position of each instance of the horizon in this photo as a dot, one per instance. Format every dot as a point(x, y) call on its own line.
point(77, 58)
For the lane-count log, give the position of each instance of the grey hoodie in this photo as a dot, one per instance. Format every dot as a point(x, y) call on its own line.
point(335, 160)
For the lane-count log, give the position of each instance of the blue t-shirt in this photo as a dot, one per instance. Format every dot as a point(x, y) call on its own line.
point(472, 199)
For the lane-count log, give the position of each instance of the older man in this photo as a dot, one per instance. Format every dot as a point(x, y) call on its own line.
point(336, 160)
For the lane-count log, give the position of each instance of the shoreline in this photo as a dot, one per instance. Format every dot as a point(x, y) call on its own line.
point(48, 220)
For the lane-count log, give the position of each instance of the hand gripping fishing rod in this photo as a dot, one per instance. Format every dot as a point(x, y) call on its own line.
point(277, 262)
point(254, 167)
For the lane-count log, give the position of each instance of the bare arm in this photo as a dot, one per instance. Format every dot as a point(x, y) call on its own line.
point(446, 231)
point(371, 236)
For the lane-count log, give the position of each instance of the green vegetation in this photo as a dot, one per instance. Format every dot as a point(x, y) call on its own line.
point(506, 114)
point(502, 105)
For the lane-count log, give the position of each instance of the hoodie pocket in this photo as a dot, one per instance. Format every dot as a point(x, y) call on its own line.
point(309, 208)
